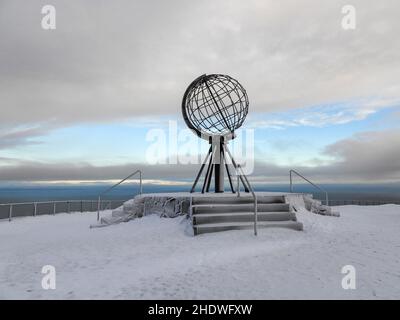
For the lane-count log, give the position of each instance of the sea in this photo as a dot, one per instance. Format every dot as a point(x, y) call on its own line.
point(25, 192)
point(30, 198)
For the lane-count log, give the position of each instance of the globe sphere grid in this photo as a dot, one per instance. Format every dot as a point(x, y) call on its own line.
point(216, 104)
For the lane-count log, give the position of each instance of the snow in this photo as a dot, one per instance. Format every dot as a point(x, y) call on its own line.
point(155, 258)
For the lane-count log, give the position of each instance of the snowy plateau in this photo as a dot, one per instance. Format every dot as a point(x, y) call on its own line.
point(154, 258)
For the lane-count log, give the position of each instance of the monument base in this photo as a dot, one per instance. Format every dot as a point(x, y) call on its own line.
point(214, 212)
point(217, 161)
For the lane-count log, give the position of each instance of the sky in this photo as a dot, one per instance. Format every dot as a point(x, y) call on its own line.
point(82, 101)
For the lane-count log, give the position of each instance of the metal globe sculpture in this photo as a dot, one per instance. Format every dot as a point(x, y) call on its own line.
point(214, 106)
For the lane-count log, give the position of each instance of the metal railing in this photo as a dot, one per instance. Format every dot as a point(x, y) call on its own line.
point(116, 185)
point(52, 207)
point(361, 202)
point(313, 184)
point(240, 173)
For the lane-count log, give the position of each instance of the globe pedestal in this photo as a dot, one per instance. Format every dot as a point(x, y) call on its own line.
point(219, 175)
point(217, 161)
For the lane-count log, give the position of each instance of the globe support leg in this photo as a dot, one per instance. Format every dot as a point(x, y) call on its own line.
point(217, 158)
point(219, 168)
point(208, 173)
point(209, 177)
point(200, 171)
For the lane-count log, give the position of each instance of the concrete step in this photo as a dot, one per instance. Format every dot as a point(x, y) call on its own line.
point(216, 227)
point(245, 198)
point(239, 207)
point(206, 218)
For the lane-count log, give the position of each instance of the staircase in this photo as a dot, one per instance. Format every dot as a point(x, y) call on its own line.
point(213, 214)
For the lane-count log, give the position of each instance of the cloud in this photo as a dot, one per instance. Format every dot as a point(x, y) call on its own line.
point(132, 60)
point(43, 171)
point(367, 157)
point(21, 136)
point(372, 156)
point(324, 115)
point(108, 61)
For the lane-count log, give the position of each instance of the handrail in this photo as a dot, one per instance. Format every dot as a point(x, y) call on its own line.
point(313, 184)
point(115, 185)
point(191, 208)
point(239, 172)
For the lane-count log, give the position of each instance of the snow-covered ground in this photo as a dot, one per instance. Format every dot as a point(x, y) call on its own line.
point(153, 258)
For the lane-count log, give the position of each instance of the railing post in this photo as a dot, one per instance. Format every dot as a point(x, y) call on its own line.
point(291, 183)
point(255, 215)
point(54, 208)
point(34, 209)
point(98, 209)
point(140, 177)
point(254, 197)
point(10, 212)
point(68, 207)
point(81, 206)
point(191, 208)
point(237, 183)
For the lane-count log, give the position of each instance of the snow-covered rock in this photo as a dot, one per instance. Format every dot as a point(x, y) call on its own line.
point(172, 205)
